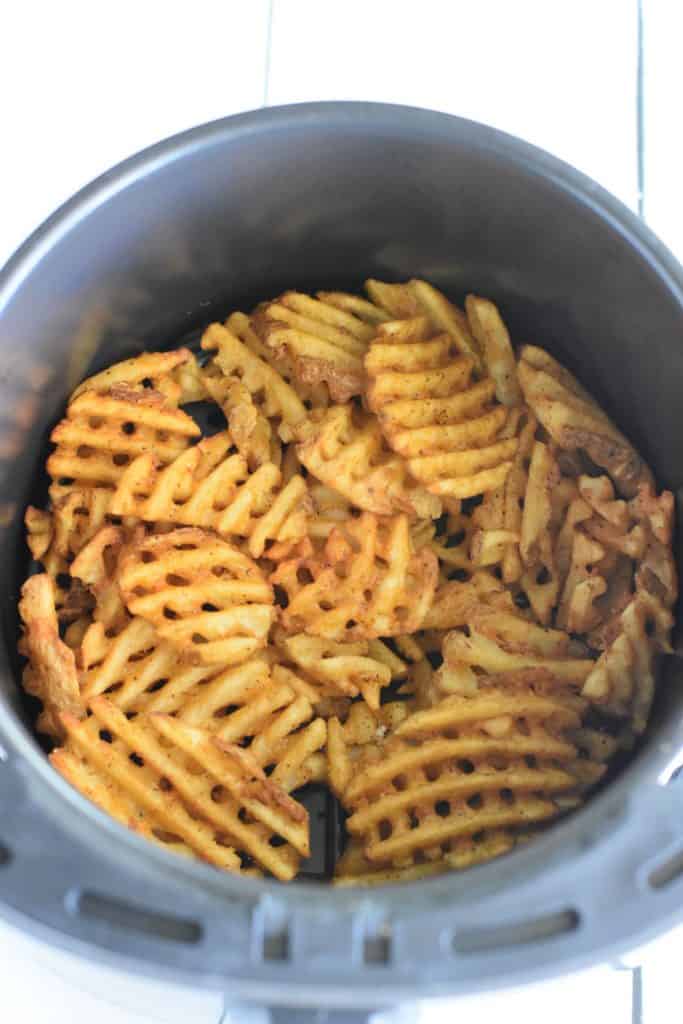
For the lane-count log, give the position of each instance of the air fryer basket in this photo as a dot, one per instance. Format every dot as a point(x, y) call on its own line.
point(321, 196)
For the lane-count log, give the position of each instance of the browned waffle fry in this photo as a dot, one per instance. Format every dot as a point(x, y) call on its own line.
point(52, 677)
point(149, 371)
point(446, 428)
point(368, 582)
point(493, 341)
point(102, 433)
point(274, 398)
point(490, 762)
point(346, 669)
point(577, 611)
point(254, 437)
point(419, 298)
point(345, 450)
point(623, 678)
point(211, 488)
point(454, 600)
point(324, 342)
point(576, 422)
point(206, 598)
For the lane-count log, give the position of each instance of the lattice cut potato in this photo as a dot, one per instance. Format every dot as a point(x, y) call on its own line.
point(211, 486)
point(345, 450)
point(367, 582)
point(204, 596)
point(487, 763)
point(102, 433)
point(157, 371)
point(324, 339)
point(51, 674)
point(431, 413)
point(575, 421)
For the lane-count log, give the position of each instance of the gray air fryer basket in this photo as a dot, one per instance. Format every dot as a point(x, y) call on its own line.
point(322, 196)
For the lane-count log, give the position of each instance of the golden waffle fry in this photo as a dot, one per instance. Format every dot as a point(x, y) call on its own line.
point(454, 600)
point(344, 668)
point(206, 598)
point(623, 678)
point(324, 342)
point(39, 532)
point(576, 422)
point(272, 395)
point(103, 433)
point(345, 450)
point(149, 370)
point(96, 566)
point(53, 677)
point(494, 761)
point(194, 799)
point(254, 437)
point(540, 580)
point(419, 298)
point(211, 488)
point(493, 341)
point(103, 789)
point(445, 427)
point(577, 611)
point(482, 652)
point(368, 583)
point(353, 868)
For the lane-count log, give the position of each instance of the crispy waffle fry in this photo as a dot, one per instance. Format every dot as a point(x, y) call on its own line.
point(445, 427)
point(52, 677)
point(271, 394)
point(493, 341)
point(325, 343)
point(103, 433)
point(490, 762)
point(345, 450)
point(205, 597)
point(623, 678)
point(209, 487)
point(369, 582)
point(150, 370)
point(344, 668)
point(575, 421)
point(419, 298)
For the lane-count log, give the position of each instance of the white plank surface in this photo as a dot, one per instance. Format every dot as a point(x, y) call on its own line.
point(85, 85)
point(663, 81)
point(560, 75)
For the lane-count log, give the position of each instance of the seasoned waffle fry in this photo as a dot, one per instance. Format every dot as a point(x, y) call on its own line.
point(414, 567)
point(493, 341)
point(52, 677)
point(345, 450)
point(490, 762)
point(150, 370)
point(209, 487)
point(419, 298)
point(444, 426)
point(202, 595)
point(272, 395)
point(103, 433)
point(575, 421)
point(324, 342)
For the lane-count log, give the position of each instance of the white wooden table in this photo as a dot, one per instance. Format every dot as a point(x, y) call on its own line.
point(85, 85)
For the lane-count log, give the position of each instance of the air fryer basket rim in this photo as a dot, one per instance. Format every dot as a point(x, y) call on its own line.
point(414, 905)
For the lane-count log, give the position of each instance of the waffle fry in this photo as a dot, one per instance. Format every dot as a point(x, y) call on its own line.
point(495, 761)
point(576, 422)
point(345, 450)
point(103, 433)
point(271, 394)
point(202, 595)
point(150, 370)
point(419, 298)
point(325, 343)
point(445, 427)
point(415, 567)
point(367, 583)
point(211, 488)
point(52, 676)
point(623, 678)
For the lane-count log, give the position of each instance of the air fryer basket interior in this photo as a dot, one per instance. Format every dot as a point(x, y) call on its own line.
point(314, 197)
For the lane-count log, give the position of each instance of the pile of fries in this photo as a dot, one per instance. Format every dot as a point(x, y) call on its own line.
point(411, 564)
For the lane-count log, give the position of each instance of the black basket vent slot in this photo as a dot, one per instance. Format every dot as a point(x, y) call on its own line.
point(276, 945)
point(377, 948)
point(667, 872)
point(5, 856)
point(521, 933)
point(137, 919)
